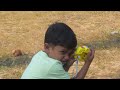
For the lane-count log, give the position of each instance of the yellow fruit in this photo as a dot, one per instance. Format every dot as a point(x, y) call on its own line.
point(81, 53)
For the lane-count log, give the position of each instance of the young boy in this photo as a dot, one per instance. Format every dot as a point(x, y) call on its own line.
point(55, 60)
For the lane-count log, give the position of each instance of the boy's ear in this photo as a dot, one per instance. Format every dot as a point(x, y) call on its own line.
point(46, 46)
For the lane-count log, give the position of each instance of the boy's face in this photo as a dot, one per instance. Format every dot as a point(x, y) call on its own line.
point(59, 53)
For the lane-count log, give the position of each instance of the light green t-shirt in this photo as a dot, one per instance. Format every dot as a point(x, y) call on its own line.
point(44, 67)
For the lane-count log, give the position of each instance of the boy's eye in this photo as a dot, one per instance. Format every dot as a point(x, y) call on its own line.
point(66, 52)
point(63, 52)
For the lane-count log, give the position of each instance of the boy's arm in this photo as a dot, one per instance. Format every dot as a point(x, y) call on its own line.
point(81, 74)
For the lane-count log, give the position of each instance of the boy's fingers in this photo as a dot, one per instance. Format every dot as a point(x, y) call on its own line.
point(90, 54)
point(92, 51)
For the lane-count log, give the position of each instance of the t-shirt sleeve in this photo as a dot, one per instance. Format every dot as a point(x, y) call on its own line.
point(57, 72)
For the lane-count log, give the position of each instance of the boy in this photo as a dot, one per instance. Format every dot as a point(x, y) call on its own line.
point(55, 60)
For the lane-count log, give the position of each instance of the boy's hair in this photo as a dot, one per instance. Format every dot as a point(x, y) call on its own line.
point(60, 34)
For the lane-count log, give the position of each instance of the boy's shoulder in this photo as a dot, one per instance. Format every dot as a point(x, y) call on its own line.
point(48, 67)
point(42, 58)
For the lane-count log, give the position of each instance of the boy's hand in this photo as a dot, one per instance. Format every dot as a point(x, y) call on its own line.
point(90, 56)
point(81, 74)
point(89, 59)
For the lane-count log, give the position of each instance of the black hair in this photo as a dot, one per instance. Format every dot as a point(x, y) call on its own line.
point(60, 34)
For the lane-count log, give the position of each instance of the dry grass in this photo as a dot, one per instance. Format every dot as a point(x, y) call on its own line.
point(11, 72)
point(106, 64)
point(25, 31)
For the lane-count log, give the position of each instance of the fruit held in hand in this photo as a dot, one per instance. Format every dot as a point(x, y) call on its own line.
point(81, 53)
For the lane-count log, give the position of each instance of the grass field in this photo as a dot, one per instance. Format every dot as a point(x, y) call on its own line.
point(25, 30)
